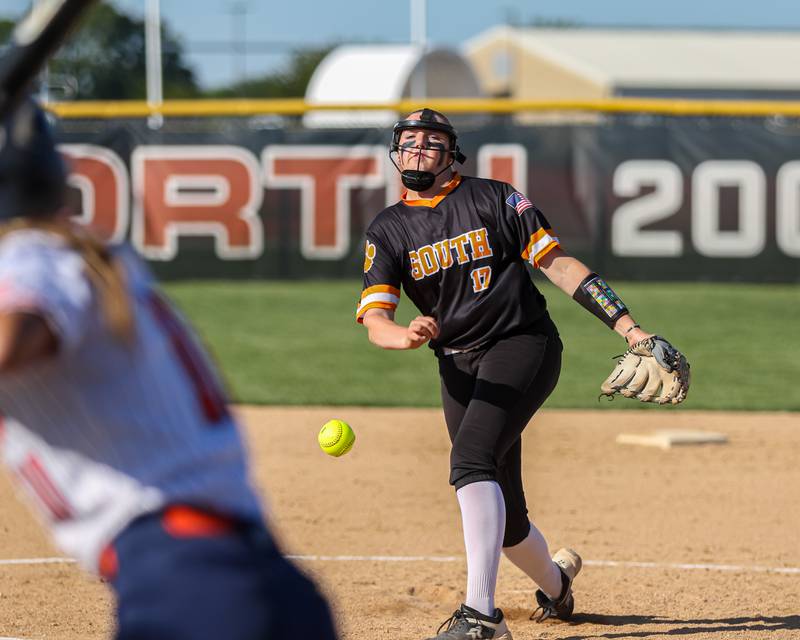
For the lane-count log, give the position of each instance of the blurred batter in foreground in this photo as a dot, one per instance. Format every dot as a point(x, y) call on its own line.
point(117, 429)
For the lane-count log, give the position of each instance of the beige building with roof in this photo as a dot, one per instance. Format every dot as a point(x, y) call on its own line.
point(588, 63)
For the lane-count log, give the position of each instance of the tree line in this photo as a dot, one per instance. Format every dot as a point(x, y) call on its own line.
point(105, 60)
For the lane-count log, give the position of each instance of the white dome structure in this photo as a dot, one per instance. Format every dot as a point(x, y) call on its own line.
point(380, 74)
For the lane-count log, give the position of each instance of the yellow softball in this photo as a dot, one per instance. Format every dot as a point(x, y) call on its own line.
point(336, 438)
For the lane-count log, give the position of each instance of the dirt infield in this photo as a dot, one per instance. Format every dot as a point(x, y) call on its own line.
point(698, 542)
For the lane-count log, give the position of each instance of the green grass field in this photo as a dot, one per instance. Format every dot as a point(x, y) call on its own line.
point(296, 343)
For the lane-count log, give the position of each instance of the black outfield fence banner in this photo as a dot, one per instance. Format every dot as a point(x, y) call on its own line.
point(635, 196)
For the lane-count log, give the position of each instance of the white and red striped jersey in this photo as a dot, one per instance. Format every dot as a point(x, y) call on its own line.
point(103, 432)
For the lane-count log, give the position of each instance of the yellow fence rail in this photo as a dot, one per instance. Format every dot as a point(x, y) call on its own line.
point(243, 107)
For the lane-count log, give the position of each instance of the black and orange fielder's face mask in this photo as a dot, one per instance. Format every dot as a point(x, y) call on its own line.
point(419, 179)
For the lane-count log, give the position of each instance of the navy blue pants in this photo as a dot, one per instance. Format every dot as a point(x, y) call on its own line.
point(213, 580)
point(489, 395)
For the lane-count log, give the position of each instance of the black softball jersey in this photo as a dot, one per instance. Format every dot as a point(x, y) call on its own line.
point(460, 257)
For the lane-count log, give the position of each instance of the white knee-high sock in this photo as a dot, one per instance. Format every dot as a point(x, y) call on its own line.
point(532, 556)
point(483, 515)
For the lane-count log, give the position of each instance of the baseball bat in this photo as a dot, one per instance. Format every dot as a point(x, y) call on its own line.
point(34, 39)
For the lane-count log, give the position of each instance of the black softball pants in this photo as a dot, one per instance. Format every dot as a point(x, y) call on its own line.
point(489, 395)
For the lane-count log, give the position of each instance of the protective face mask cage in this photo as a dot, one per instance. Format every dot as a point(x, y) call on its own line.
point(415, 178)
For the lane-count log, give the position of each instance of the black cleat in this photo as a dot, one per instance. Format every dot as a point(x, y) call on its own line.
point(569, 563)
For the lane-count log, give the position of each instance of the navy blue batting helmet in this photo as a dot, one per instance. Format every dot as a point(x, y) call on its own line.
point(33, 175)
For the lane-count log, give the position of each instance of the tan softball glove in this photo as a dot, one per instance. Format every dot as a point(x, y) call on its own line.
point(652, 370)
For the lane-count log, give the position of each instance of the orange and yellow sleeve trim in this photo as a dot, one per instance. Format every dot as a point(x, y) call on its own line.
point(380, 296)
point(541, 243)
point(432, 202)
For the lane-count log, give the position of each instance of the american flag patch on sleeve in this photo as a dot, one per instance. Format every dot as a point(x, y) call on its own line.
point(519, 202)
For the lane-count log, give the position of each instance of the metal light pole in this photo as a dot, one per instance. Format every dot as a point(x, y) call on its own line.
point(152, 43)
point(419, 38)
point(239, 11)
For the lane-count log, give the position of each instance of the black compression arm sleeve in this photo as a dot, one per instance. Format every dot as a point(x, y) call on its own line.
point(595, 295)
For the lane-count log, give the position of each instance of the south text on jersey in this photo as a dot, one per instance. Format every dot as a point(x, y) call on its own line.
point(466, 247)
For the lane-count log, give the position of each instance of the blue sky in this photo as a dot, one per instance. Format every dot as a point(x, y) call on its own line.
point(450, 22)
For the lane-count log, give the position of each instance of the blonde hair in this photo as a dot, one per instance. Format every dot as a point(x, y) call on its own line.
point(102, 268)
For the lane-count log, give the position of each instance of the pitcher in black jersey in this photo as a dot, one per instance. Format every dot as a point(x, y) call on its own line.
point(457, 246)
